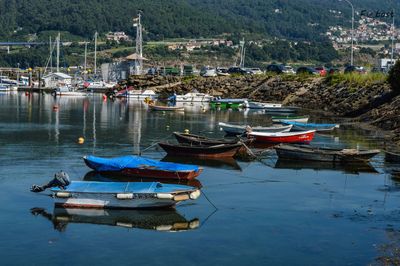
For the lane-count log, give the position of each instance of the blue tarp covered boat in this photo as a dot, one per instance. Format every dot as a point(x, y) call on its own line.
point(87, 194)
point(138, 166)
point(310, 126)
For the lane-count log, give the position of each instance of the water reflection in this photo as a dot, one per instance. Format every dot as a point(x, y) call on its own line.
point(160, 220)
point(224, 163)
point(115, 177)
point(348, 168)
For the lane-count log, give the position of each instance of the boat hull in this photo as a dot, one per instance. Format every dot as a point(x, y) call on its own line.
point(122, 195)
point(217, 151)
point(199, 140)
point(166, 108)
point(323, 154)
point(238, 130)
point(280, 119)
point(290, 137)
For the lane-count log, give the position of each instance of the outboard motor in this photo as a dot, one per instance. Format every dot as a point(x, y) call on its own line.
point(61, 180)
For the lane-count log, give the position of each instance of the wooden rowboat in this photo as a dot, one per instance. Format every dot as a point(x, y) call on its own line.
point(137, 166)
point(310, 153)
point(201, 140)
point(241, 129)
point(201, 151)
point(310, 126)
point(301, 119)
point(122, 195)
point(283, 137)
point(166, 108)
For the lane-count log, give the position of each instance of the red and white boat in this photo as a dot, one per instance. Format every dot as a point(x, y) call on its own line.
point(283, 137)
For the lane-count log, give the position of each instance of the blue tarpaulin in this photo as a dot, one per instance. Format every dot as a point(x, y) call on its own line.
point(132, 161)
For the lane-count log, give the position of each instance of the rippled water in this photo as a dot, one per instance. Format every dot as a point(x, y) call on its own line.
point(263, 212)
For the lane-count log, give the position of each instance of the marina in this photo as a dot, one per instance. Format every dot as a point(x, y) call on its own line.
point(281, 207)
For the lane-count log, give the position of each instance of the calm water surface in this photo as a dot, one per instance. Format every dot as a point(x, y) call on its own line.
point(266, 212)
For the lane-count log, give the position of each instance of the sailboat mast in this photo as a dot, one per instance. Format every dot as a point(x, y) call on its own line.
point(84, 67)
point(51, 55)
point(58, 52)
point(95, 53)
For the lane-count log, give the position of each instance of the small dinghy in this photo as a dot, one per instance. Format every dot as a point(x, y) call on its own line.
point(310, 126)
point(242, 129)
point(283, 137)
point(116, 195)
point(310, 153)
point(301, 119)
point(201, 151)
point(201, 140)
point(137, 166)
point(166, 108)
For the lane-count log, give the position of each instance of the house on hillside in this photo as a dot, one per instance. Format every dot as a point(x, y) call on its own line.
point(53, 80)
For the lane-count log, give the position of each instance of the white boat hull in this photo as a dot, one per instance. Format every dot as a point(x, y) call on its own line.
point(105, 201)
point(193, 97)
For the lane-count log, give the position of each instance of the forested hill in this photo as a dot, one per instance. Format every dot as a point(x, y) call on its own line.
point(291, 19)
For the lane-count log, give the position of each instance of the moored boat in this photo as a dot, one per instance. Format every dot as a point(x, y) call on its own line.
point(227, 103)
point(122, 195)
point(137, 166)
point(283, 137)
point(201, 151)
point(310, 153)
point(141, 95)
point(260, 105)
point(69, 91)
point(301, 119)
point(310, 126)
point(201, 140)
point(392, 156)
point(166, 108)
point(241, 129)
point(193, 97)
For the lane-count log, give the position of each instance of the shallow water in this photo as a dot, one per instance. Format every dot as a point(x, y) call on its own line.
point(262, 212)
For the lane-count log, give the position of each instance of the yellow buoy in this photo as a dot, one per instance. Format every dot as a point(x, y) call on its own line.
point(81, 140)
point(186, 131)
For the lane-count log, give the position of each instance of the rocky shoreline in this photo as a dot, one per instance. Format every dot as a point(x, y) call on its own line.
point(373, 103)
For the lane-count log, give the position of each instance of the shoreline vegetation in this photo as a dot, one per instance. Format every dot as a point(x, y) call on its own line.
point(364, 98)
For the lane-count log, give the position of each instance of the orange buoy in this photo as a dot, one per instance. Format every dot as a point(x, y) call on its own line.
point(81, 140)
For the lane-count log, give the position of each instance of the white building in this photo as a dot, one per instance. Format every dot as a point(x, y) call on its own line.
point(53, 80)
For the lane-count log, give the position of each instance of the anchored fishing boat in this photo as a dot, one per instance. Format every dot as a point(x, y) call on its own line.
point(310, 126)
point(193, 97)
point(166, 108)
point(301, 119)
point(283, 137)
point(227, 103)
point(201, 140)
point(310, 153)
point(201, 151)
point(115, 195)
point(122, 195)
point(137, 166)
point(392, 156)
point(241, 129)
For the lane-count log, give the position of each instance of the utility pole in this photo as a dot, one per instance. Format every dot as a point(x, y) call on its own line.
point(352, 32)
point(242, 53)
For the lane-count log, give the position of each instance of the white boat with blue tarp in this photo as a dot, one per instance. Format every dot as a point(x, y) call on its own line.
point(310, 126)
point(122, 195)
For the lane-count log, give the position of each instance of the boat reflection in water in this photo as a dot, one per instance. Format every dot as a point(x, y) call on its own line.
point(160, 220)
point(349, 168)
point(223, 162)
point(115, 177)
